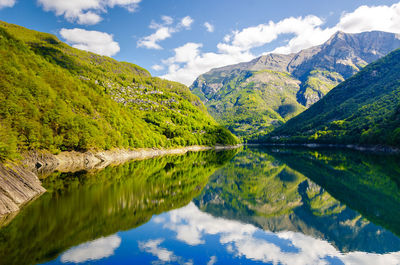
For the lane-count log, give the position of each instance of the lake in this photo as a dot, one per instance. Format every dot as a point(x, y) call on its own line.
point(248, 206)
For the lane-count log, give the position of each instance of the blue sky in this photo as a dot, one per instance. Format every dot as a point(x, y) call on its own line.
point(170, 38)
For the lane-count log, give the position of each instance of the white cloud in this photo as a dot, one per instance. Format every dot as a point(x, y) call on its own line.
point(364, 18)
point(7, 3)
point(157, 67)
point(187, 22)
point(93, 41)
point(186, 53)
point(311, 36)
point(193, 226)
point(98, 249)
point(209, 27)
point(151, 41)
point(306, 31)
point(163, 31)
point(227, 38)
point(303, 32)
point(130, 5)
point(189, 62)
point(88, 18)
point(167, 20)
point(85, 11)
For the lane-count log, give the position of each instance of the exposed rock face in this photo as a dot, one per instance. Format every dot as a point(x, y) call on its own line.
point(18, 185)
point(292, 82)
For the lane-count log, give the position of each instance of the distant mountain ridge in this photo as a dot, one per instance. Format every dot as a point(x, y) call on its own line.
point(257, 96)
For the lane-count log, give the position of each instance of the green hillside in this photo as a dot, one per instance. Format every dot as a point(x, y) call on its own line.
point(364, 109)
point(252, 101)
point(253, 98)
point(55, 97)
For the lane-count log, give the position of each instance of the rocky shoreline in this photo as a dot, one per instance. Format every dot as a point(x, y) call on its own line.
point(20, 183)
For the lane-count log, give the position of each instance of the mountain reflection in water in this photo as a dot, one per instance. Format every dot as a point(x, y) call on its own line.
point(277, 206)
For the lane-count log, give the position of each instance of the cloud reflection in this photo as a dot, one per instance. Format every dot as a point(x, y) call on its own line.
point(164, 255)
point(244, 240)
point(153, 247)
point(100, 248)
point(212, 260)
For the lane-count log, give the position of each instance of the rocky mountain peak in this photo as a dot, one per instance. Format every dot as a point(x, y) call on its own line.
point(347, 53)
point(272, 61)
point(339, 35)
point(270, 89)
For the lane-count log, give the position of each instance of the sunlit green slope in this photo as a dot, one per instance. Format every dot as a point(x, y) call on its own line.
point(364, 109)
point(55, 97)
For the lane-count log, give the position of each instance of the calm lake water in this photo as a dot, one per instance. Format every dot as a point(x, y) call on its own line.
point(249, 206)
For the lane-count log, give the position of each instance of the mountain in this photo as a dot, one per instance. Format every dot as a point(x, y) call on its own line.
point(262, 94)
point(55, 97)
point(364, 109)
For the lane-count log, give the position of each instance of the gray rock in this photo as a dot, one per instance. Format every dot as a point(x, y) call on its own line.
point(18, 185)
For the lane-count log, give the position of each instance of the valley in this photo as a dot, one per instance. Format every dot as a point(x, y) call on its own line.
point(178, 132)
point(255, 97)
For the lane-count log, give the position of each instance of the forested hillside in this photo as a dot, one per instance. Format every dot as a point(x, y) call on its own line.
point(55, 97)
point(364, 109)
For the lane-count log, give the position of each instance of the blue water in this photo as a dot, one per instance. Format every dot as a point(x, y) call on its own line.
point(252, 206)
point(190, 236)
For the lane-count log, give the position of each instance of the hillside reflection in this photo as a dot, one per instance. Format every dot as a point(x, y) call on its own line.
point(250, 206)
point(84, 206)
point(343, 197)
